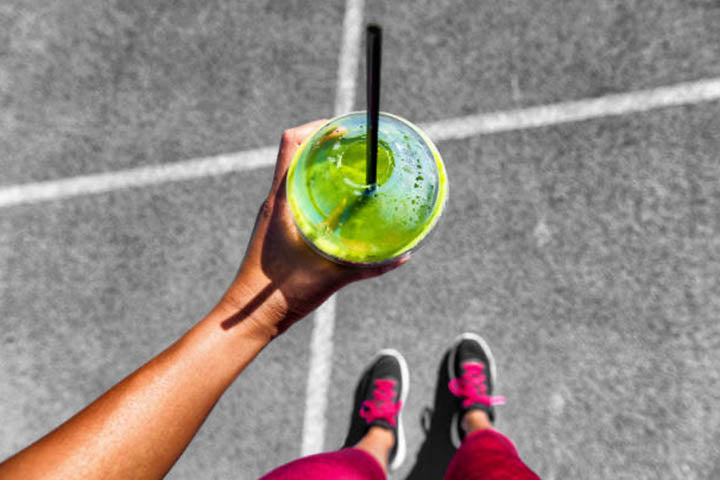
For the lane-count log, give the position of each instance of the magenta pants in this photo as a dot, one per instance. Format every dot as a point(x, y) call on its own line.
point(484, 455)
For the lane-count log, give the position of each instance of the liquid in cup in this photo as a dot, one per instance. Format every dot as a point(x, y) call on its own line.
point(350, 222)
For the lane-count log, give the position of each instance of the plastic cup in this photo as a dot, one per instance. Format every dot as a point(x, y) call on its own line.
point(350, 222)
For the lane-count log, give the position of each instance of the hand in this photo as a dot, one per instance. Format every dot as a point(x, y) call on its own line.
point(279, 260)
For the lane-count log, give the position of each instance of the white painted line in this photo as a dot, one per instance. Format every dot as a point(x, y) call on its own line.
point(321, 346)
point(688, 93)
point(318, 380)
point(616, 104)
point(349, 56)
point(137, 177)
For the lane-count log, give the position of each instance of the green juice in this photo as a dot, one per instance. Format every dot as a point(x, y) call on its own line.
point(348, 221)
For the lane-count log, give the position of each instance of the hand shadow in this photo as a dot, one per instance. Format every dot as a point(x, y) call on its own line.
point(249, 307)
point(276, 267)
point(437, 450)
point(276, 279)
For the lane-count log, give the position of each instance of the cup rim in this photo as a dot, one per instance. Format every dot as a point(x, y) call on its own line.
point(415, 243)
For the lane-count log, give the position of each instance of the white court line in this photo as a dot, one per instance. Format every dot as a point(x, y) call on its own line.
point(321, 346)
point(349, 56)
point(137, 177)
point(616, 104)
point(318, 379)
point(687, 93)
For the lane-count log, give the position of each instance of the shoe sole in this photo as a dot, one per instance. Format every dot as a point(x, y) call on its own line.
point(454, 427)
point(401, 451)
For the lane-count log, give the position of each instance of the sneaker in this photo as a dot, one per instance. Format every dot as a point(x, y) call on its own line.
point(471, 369)
point(379, 398)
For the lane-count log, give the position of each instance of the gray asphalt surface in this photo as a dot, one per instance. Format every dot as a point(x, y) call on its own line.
point(587, 254)
point(454, 58)
point(110, 85)
point(577, 253)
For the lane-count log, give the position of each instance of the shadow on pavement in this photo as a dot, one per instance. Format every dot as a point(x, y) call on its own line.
point(436, 451)
point(357, 429)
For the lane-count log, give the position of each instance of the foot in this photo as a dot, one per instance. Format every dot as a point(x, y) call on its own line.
point(471, 370)
point(379, 398)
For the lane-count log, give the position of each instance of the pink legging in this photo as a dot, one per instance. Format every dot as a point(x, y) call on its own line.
point(484, 455)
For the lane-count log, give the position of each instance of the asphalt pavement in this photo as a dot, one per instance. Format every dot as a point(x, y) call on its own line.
point(587, 254)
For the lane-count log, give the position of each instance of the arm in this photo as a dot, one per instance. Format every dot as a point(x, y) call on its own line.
point(140, 427)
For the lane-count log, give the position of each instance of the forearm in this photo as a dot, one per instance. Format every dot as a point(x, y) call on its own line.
point(140, 427)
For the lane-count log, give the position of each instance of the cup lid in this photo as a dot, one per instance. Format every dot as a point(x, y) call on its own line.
point(343, 217)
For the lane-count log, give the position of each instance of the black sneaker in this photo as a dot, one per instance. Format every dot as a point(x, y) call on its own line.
point(471, 369)
point(379, 398)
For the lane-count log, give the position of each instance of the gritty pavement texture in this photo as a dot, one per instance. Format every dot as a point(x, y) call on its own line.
point(100, 86)
point(452, 58)
point(101, 284)
point(579, 253)
point(588, 254)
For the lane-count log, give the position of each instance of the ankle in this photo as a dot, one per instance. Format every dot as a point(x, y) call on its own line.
point(475, 420)
point(382, 436)
point(378, 442)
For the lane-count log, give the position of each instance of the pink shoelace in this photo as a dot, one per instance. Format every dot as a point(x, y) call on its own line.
point(381, 407)
point(471, 386)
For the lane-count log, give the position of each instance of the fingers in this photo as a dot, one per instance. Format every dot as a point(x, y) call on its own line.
point(301, 132)
point(377, 271)
point(291, 140)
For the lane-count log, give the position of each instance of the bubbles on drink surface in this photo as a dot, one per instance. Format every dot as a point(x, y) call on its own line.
point(340, 213)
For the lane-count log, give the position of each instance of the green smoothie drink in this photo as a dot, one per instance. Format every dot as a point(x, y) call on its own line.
point(350, 222)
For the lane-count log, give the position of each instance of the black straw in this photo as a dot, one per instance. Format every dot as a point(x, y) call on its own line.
point(374, 53)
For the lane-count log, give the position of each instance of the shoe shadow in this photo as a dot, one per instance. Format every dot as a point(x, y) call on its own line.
point(357, 428)
point(437, 450)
